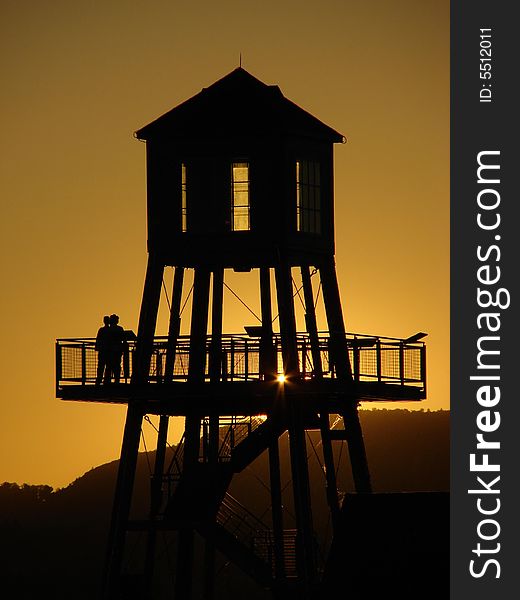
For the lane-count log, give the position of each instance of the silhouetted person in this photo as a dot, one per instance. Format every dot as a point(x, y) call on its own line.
point(117, 344)
point(102, 348)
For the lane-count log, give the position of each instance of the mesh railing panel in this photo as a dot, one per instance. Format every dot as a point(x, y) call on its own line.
point(71, 363)
point(390, 363)
point(367, 362)
point(412, 364)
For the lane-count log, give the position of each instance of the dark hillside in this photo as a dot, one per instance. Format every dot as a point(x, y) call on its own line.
point(53, 542)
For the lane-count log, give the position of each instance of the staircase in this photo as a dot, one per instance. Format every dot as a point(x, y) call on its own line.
point(201, 497)
point(237, 431)
point(249, 542)
point(257, 442)
point(241, 441)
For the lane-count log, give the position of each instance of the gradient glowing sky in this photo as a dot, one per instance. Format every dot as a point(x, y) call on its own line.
point(78, 78)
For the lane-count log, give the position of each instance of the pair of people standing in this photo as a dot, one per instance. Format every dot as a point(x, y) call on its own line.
point(110, 345)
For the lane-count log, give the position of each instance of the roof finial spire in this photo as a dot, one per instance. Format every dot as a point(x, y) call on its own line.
point(240, 60)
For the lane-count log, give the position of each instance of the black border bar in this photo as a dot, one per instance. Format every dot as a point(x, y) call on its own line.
point(490, 516)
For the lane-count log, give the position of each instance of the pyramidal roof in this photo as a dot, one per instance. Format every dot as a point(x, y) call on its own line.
point(237, 104)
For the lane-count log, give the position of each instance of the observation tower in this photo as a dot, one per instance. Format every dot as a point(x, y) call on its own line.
point(240, 181)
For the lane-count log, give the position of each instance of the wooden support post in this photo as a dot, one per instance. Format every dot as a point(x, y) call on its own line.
point(339, 350)
point(183, 578)
point(175, 324)
point(215, 358)
point(132, 433)
point(356, 357)
point(191, 442)
point(160, 455)
point(59, 366)
point(197, 359)
point(356, 448)
point(267, 350)
point(122, 501)
point(199, 325)
point(265, 299)
point(215, 371)
point(330, 470)
point(305, 552)
point(299, 468)
point(232, 359)
point(83, 364)
point(147, 319)
point(338, 339)
point(423, 367)
point(328, 456)
point(277, 510)
point(311, 323)
point(401, 362)
point(209, 568)
point(287, 319)
point(378, 360)
point(155, 502)
point(196, 374)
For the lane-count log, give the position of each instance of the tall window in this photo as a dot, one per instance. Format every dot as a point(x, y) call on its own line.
point(184, 204)
point(240, 217)
point(308, 197)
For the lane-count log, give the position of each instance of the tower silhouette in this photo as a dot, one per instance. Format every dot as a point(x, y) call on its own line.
point(239, 178)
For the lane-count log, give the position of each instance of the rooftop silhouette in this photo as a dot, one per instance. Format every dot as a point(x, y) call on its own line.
point(237, 104)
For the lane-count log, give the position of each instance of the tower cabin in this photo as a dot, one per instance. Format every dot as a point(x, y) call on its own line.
point(239, 176)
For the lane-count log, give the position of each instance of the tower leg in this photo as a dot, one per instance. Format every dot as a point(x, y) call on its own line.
point(277, 510)
point(147, 319)
point(287, 319)
point(267, 351)
point(155, 502)
point(215, 358)
point(300, 475)
point(156, 484)
point(328, 456)
point(339, 352)
point(184, 575)
point(199, 325)
point(311, 323)
point(338, 339)
point(215, 370)
point(175, 323)
point(132, 433)
point(305, 546)
point(356, 449)
point(268, 371)
point(209, 569)
point(196, 371)
point(122, 501)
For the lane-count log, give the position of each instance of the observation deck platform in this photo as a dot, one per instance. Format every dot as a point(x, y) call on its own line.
point(383, 369)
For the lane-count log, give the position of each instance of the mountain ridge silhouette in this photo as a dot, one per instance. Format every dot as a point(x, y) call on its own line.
point(54, 541)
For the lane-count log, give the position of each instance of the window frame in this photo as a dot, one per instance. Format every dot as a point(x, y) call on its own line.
point(236, 188)
point(308, 196)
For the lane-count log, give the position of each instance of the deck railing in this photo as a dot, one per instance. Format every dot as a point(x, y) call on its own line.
point(376, 359)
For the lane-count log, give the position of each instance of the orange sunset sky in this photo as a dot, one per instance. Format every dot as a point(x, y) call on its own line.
point(79, 77)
